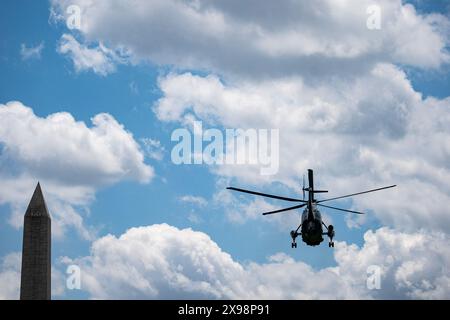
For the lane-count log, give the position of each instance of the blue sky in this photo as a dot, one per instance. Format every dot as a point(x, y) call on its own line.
point(50, 84)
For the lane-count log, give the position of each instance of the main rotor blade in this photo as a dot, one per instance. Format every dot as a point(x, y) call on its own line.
point(266, 195)
point(354, 194)
point(286, 209)
point(357, 212)
point(303, 187)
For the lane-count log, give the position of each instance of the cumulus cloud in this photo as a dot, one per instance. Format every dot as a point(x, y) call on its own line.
point(254, 39)
point(413, 265)
point(161, 261)
point(31, 52)
point(71, 160)
point(314, 71)
point(344, 107)
point(99, 155)
point(354, 137)
point(100, 59)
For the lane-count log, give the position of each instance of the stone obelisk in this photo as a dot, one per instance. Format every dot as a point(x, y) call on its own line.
point(36, 251)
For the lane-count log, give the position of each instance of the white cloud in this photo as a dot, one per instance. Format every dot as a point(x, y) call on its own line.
point(196, 200)
point(252, 39)
point(153, 148)
point(70, 159)
point(314, 71)
point(10, 278)
point(360, 133)
point(60, 147)
point(31, 52)
point(413, 265)
point(161, 261)
point(100, 59)
point(239, 208)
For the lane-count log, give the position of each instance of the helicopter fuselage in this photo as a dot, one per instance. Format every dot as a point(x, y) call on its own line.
point(311, 230)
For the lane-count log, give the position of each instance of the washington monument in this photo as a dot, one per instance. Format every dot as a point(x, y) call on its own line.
point(36, 252)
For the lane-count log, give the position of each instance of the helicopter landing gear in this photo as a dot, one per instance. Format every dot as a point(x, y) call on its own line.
point(330, 234)
point(294, 235)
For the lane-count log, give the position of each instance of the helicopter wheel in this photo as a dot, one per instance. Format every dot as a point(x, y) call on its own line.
point(331, 244)
point(294, 245)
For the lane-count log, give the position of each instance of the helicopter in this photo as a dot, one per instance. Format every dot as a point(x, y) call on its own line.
point(311, 224)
